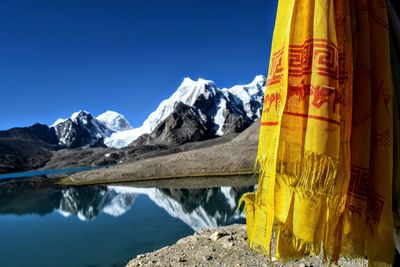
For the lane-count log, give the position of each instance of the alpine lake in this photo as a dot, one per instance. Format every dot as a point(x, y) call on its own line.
point(42, 224)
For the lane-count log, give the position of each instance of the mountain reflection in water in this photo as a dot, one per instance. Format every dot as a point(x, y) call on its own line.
point(197, 208)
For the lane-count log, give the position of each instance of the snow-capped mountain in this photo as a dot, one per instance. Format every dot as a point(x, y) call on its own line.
point(114, 121)
point(195, 93)
point(79, 130)
point(250, 96)
point(82, 129)
point(219, 108)
point(219, 111)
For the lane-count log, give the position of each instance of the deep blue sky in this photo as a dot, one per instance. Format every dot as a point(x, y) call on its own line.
point(60, 56)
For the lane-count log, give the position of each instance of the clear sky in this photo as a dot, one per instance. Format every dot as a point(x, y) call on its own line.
point(60, 56)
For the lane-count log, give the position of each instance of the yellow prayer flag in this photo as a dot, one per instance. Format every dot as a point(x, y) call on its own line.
point(326, 139)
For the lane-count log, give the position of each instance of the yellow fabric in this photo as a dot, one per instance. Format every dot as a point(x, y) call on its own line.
point(325, 149)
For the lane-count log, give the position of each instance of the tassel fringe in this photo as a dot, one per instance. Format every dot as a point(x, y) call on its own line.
point(308, 175)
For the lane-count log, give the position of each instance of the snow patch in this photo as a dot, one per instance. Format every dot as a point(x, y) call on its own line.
point(58, 121)
point(219, 118)
point(123, 138)
point(76, 115)
point(114, 121)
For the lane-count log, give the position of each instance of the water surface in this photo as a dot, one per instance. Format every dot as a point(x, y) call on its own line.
point(103, 225)
point(48, 172)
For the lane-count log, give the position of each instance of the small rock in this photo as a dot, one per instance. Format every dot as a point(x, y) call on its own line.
point(228, 245)
point(181, 259)
point(207, 258)
point(217, 235)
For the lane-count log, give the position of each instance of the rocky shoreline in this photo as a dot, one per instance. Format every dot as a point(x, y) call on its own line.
point(224, 246)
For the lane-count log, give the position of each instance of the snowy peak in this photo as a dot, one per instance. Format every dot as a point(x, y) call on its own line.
point(189, 82)
point(190, 90)
point(81, 129)
point(259, 80)
point(250, 96)
point(76, 117)
point(187, 93)
point(221, 110)
point(256, 87)
point(114, 121)
point(81, 116)
point(58, 121)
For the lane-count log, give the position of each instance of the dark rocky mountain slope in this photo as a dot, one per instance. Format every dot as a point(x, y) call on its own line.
point(81, 130)
point(182, 126)
point(26, 148)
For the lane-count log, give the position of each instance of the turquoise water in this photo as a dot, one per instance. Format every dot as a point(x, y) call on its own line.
point(47, 172)
point(103, 226)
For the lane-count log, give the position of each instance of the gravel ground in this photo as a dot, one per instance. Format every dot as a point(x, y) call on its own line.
point(224, 246)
